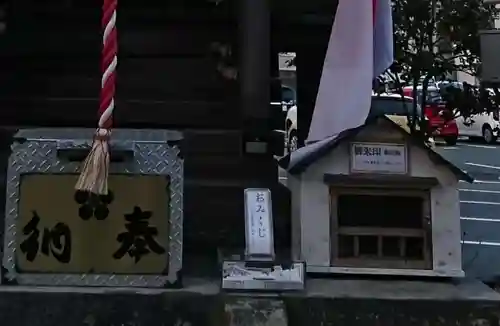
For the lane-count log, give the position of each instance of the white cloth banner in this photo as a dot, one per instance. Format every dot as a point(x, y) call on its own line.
point(344, 94)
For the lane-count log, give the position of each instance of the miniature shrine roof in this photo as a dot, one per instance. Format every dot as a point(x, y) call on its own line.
point(297, 162)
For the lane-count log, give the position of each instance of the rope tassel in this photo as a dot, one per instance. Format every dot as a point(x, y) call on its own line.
point(94, 174)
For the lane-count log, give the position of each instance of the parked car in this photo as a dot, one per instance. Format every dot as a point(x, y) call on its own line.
point(288, 96)
point(484, 126)
point(396, 108)
point(392, 104)
point(480, 126)
point(382, 104)
point(291, 129)
point(441, 122)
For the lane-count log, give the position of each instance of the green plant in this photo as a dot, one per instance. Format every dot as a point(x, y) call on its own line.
point(433, 39)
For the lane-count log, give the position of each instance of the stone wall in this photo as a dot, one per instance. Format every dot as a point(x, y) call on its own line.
point(376, 312)
point(21, 306)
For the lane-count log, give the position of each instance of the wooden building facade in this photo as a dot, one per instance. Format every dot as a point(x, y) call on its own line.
point(207, 68)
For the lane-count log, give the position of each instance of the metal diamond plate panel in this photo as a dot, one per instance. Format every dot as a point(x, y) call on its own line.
point(37, 153)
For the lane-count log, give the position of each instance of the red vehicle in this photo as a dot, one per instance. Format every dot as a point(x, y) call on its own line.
point(443, 126)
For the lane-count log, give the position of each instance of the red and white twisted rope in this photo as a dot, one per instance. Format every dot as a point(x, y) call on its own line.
point(94, 174)
point(109, 62)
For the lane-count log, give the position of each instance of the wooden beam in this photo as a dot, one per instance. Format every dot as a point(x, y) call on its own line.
point(255, 50)
point(140, 78)
point(73, 112)
point(165, 40)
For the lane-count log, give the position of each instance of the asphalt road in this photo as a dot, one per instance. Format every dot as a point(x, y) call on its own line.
point(479, 207)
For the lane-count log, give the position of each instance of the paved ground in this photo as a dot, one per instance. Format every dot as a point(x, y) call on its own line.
point(480, 207)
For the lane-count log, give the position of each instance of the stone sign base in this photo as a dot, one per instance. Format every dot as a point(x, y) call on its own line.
point(326, 302)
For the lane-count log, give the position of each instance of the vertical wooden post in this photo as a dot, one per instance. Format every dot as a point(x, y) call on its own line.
point(254, 72)
point(309, 61)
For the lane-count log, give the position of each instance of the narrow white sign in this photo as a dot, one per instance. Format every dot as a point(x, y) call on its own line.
point(259, 223)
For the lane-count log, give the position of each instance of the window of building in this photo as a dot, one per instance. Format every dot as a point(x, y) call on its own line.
point(381, 229)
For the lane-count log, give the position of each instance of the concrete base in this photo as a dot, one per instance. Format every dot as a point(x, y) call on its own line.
point(326, 302)
point(255, 311)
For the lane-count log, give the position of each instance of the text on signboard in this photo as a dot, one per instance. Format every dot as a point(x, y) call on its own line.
point(260, 199)
point(375, 151)
point(137, 241)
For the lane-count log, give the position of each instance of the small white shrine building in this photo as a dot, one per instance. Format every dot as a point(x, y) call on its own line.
point(375, 200)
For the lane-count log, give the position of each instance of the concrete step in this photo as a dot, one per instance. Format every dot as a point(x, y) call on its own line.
point(338, 302)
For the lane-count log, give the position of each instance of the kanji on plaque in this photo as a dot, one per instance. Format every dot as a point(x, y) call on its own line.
point(259, 237)
point(139, 239)
point(125, 232)
point(55, 241)
point(378, 158)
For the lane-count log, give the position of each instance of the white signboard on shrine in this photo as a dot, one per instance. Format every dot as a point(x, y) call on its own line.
point(378, 158)
point(258, 224)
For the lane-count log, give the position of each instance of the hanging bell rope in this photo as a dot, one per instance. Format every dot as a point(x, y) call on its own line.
point(94, 174)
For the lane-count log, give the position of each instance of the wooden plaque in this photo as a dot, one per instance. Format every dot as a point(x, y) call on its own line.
point(61, 231)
